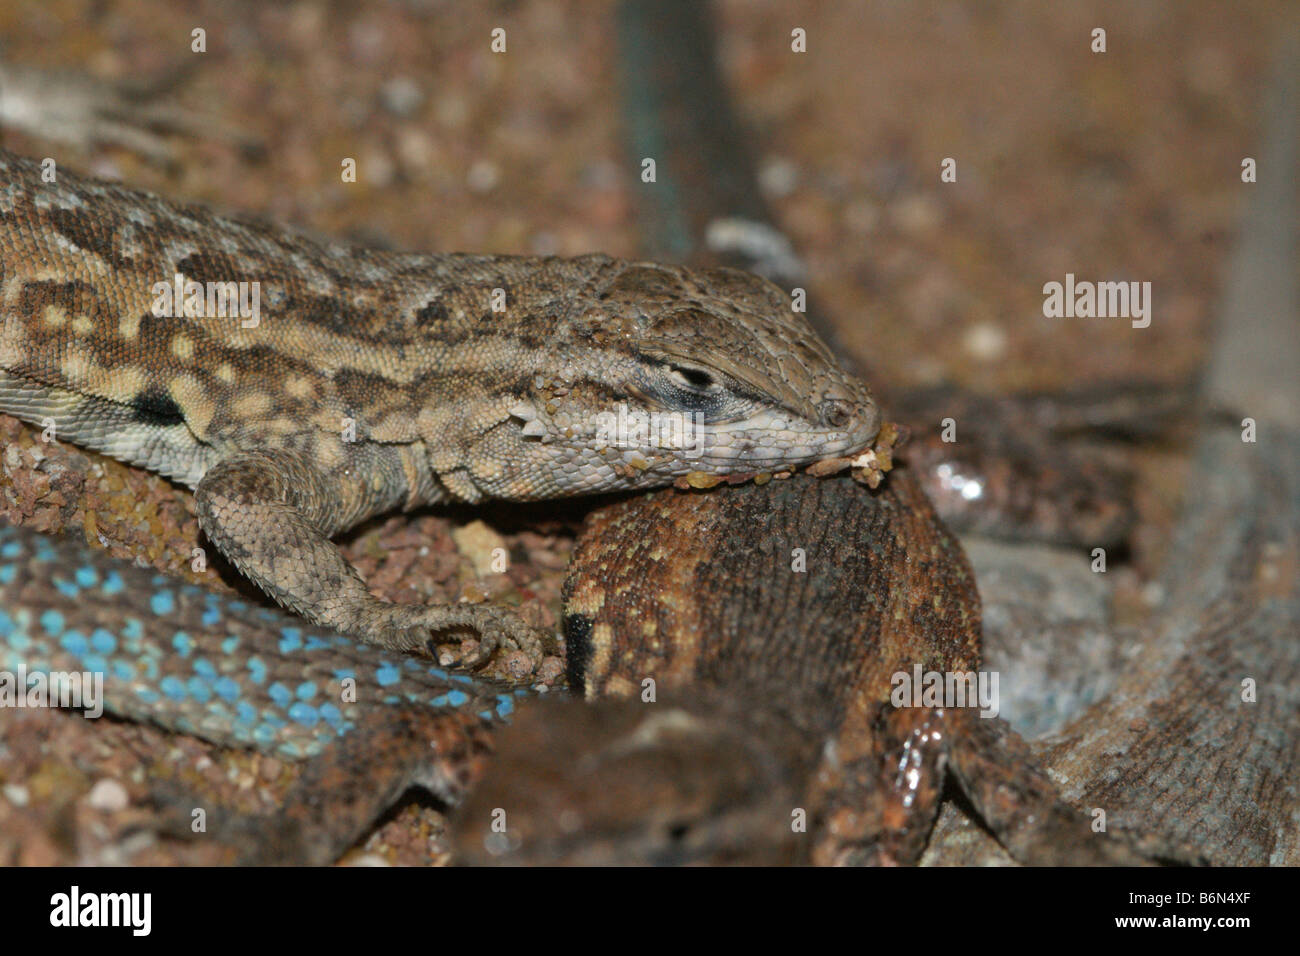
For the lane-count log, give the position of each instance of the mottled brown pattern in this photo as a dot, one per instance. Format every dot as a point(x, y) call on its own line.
point(369, 380)
point(772, 692)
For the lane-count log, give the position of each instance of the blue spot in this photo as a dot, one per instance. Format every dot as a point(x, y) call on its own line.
point(11, 550)
point(95, 663)
point(52, 621)
point(203, 667)
point(113, 584)
point(123, 670)
point(304, 714)
point(316, 643)
point(293, 751)
point(212, 610)
point(183, 643)
point(173, 687)
point(7, 573)
point(229, 646)
point(505, 705)
point(245, 713)
point(227, 687)
point(132, 630)
point(6, 624)
point(280, 694)
point(485, 714)
point(264, 734)
point(199, 689)
point(331, 714)
point(306, 690)
point(103, 641)
point(290, 640)
point(130, 645)
point(345, 673)
point(66, 588)
point(257, 670)
point(147, 694)
point(162, 602)
point(458, 698)
point(74, 642)
point(87, 577)
point(387, 675)
point(439, 701)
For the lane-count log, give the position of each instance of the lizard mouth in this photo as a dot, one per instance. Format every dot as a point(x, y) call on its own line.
point(868, 463)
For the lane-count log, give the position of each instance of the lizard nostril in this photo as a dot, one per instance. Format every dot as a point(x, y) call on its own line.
point(834, 413)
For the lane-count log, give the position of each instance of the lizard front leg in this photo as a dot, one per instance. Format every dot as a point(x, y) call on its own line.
point(272, 515)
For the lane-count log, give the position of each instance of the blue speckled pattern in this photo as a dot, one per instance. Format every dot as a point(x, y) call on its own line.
point(201, 663)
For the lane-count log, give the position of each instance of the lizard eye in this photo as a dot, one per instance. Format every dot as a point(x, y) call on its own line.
point(681, 387)
point(693, 378)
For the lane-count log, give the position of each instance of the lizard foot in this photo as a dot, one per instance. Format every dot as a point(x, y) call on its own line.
point(409, 627)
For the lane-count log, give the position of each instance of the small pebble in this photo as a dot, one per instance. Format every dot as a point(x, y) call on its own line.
point(483, 176)
point(108, 796)
point(401, 96)
point(985, 341)
point(778, 177)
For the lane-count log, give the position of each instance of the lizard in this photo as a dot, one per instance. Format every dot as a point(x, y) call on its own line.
point(740, 656)
point(364, 381)
point(83, 630)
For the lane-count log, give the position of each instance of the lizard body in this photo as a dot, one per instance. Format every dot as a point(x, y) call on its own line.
point(741, 655)
point(368, 722)
point(365, 381)
point(721, 701)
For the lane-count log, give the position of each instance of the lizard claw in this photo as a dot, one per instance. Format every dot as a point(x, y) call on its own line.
point(405, 627)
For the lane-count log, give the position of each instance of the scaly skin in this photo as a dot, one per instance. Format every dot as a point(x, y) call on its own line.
point(739, 653)
point(369, 723)
point(371, 381)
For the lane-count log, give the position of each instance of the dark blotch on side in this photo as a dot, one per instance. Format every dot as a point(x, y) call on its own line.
point(207, 267)
point(578, 649)
point(88, 233)
point(156, 407)
point(432, 313)
point(73, 297)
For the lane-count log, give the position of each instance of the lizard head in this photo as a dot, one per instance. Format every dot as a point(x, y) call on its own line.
point(658, 373)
